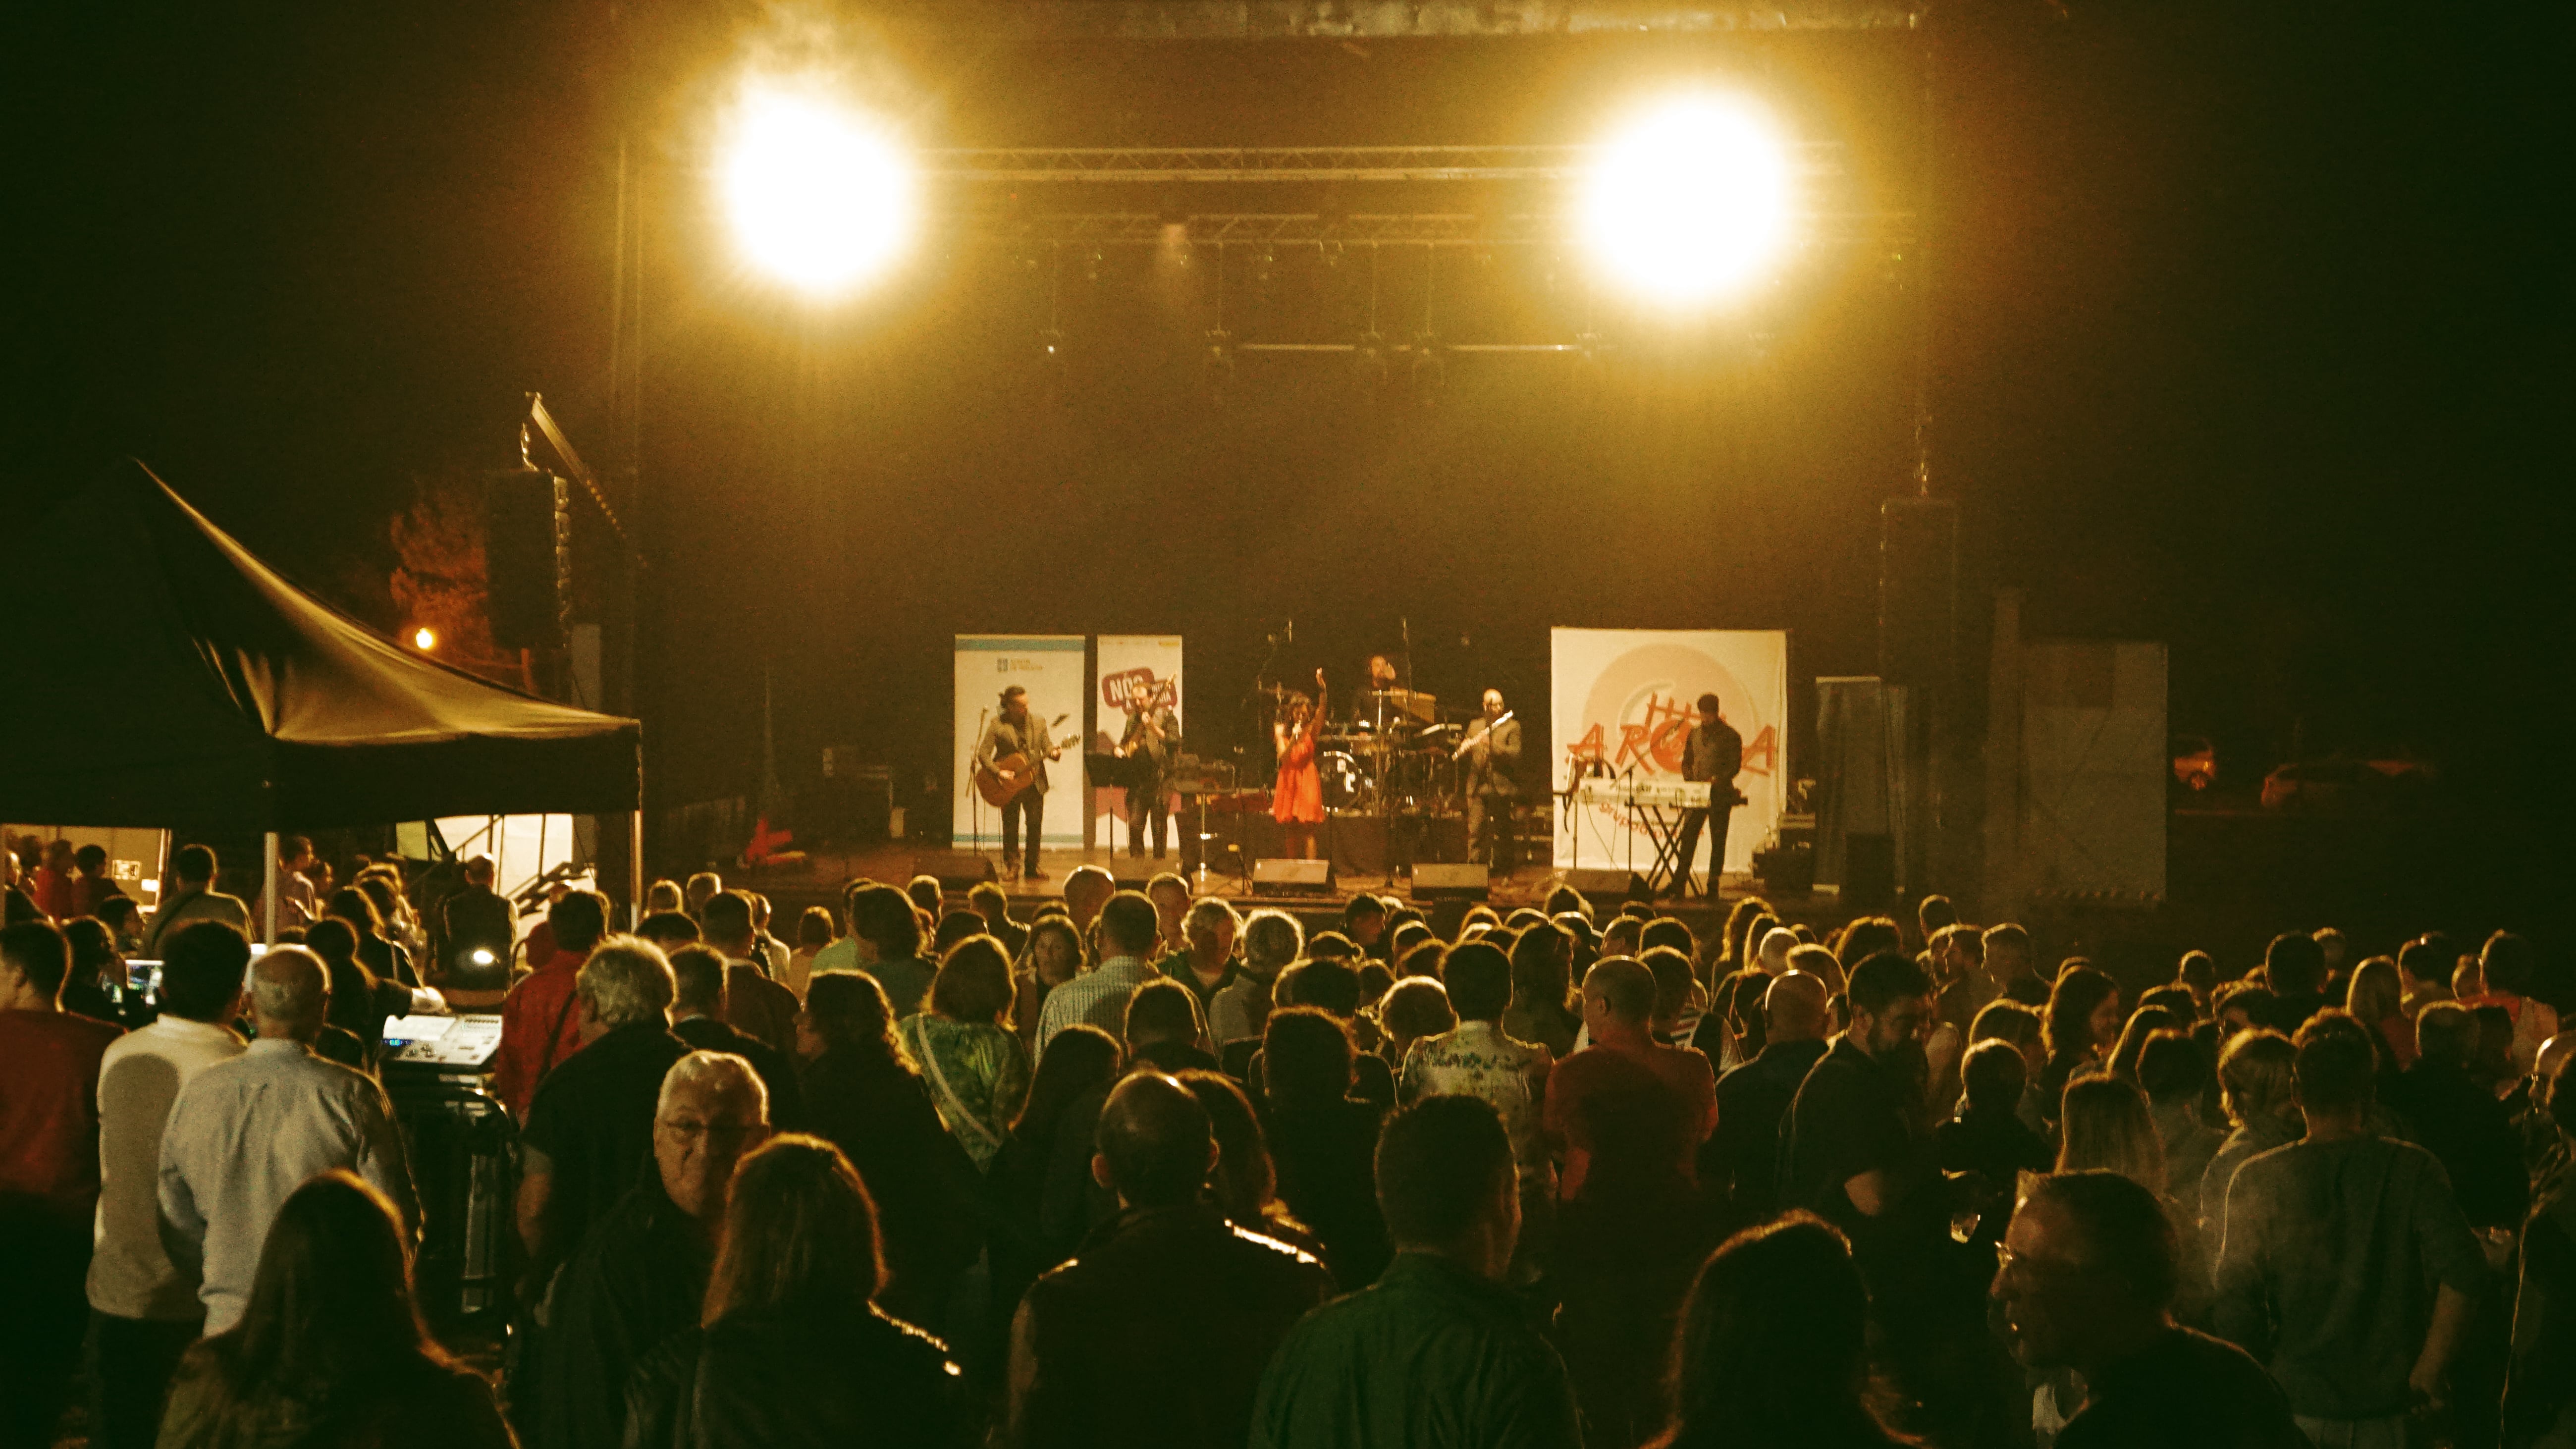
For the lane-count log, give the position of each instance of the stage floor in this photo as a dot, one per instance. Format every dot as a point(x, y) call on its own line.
point(818, 879)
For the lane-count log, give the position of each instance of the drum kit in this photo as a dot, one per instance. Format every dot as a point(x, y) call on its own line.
point(1392, 756)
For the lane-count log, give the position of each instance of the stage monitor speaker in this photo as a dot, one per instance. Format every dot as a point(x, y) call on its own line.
point(958, 870)
point(1133, 874)
point(1607, 889)
point(1451, 883)
point(519, 561)
point(1292, 877)
point(1869, 871)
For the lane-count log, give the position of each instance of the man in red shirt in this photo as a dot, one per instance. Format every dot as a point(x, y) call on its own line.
point(48, 1177)
point(539, 1024)
point(1628, 1097)
point(1631, 1114)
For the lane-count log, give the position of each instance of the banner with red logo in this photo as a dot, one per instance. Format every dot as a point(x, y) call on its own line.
point(1625, 701)
point(1119, 663)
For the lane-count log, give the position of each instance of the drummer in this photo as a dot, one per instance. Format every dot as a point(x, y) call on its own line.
point(1380, 706)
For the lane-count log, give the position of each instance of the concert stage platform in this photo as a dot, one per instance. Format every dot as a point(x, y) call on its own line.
point(818, 880)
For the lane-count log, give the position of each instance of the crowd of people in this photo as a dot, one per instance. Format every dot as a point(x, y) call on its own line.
point(1143, 1170)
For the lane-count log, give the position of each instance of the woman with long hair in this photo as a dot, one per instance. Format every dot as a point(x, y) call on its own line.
point(2376, 999)
point(1543, 988)
point(2105, 1123)
point(814, 931)
point(2256, 1091)
point(1245, 1183)
point(330, 1350)
point(864, 1095)
point(977, 1069)
point(2079, 1026)
point(1323, 1140)
point(1080, 1064)
point(2143, 1023)
point(1773, 1351)
point(96, 986)
point(1739, 938)
point(387, 961)
point(792, 1349)
point(1297, 801)
point(382, 885)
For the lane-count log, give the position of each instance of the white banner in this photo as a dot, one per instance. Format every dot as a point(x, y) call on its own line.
point(1627, 698)
point(1050, 668)
point(1117, 661)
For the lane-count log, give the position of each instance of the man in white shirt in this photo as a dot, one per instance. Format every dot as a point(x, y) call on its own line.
point(247, 1132)
point(143, 1308)
point(1128, 930)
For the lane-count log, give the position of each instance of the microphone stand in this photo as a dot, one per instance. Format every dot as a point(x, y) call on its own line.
point(974, 796)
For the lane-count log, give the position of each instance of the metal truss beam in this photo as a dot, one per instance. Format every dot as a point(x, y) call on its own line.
point(1357, 231)
point(1203, 165)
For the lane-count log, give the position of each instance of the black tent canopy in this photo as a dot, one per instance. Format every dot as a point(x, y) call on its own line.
point(180, 682)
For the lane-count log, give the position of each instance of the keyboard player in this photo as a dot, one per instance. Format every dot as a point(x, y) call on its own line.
point(1714, 752)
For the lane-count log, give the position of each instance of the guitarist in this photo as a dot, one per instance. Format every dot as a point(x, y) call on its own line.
point(1151, 746)
point(1017, 732)
point(1492, 756)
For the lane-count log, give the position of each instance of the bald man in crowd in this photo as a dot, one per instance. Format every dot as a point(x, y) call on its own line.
point(1740, 1166)
point(247, 1132)
point(1631, 1113)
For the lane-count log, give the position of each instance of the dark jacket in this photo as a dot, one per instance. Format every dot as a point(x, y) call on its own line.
point(1325, 1153)
point(930, 1203)
point(1739, 1165)
point(1157, 1332)
point(786, 1092)
point(592, 1122)
point(2463, 1124)
point(475, 918)
point(1431, 1354)
point(802, 1377)
point(1494, 769)
point(639, 1278)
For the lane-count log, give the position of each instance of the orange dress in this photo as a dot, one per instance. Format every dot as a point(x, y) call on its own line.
point(1298, 799)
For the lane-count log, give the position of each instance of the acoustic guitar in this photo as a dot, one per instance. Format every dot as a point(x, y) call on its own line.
point(1001, 782)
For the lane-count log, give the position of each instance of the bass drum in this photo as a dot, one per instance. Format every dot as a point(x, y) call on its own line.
point(1346, 781)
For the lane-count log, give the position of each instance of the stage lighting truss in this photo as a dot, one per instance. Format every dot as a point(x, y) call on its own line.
point(1042, 184)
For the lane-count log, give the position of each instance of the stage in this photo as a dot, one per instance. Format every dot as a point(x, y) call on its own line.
point(818, 880)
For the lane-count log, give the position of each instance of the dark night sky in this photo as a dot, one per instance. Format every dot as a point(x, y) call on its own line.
point(2252, 336)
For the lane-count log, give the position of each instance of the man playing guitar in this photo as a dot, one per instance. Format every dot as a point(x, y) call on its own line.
point(1017, 733)
point(1150, 745)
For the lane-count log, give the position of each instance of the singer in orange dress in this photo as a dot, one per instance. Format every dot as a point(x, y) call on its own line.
point(1297, 801)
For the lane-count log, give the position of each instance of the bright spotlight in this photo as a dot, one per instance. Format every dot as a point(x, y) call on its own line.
point(818, 196)
point(482, 956)
point(424, 638)
point(1687, 204)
